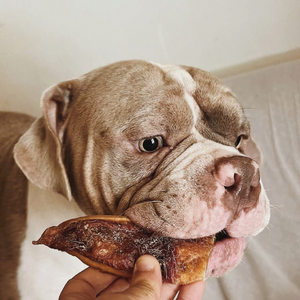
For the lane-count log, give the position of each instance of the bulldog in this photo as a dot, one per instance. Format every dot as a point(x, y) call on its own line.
point(167, 146)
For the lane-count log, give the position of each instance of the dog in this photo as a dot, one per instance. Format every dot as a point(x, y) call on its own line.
point(167, 146)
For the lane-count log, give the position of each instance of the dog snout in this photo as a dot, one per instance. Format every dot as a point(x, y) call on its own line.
point(240, 178)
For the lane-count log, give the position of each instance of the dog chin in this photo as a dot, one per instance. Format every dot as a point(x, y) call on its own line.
point(227, 254)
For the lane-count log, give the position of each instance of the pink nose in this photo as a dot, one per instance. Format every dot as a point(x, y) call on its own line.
point(240, 178)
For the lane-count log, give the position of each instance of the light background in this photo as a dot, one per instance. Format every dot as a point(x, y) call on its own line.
point(44, 42)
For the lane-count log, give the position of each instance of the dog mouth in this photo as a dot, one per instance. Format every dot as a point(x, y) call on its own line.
point(221, 235)
point(227, 251)
point(226, 254)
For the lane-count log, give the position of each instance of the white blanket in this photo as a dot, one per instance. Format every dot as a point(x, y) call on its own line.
point(271, 265)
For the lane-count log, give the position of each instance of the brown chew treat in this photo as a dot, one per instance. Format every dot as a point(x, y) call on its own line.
point(113, 244)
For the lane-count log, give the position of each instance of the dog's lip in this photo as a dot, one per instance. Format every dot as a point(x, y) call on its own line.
point(226, 254)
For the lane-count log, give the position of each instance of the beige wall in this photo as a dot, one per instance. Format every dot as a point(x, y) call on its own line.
point(44, 42)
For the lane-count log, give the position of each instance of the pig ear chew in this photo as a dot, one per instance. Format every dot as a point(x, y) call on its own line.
point(39, 151)
point(253, 151)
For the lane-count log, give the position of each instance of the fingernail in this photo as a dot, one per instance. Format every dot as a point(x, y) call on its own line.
point(145, 264)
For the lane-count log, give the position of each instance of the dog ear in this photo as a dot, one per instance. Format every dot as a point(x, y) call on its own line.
point(39, 151)
point(252, 150)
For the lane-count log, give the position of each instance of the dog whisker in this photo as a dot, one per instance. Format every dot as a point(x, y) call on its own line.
point(242, 261)
point(271, 232)
point(271, 225)
point(277, 208)
point(249, 240)
point(166, 221)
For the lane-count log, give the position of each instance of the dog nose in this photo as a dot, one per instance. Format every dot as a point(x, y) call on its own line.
point(231, 171)
point(240, 178)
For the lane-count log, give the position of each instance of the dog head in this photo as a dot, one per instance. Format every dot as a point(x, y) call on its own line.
point(167, 146)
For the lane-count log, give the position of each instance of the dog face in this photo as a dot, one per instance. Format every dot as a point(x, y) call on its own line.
point(167, 146)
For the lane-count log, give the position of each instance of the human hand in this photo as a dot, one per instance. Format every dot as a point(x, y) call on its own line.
point(146, 284)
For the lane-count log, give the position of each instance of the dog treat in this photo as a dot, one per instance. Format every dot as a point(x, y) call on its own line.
point(113, 244)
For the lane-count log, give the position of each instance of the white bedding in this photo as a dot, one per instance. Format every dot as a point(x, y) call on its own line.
point(271, 265)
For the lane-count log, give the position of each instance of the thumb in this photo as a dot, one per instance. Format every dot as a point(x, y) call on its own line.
point(146, 280)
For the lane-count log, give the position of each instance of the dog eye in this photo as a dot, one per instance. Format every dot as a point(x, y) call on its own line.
point(238, 142)
point(151, 144)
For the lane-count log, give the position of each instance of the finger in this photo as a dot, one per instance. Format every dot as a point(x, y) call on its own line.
point(120, 285)
point(86, 285)
point(146, 280)
point(168, 291)
point(193, 291)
